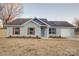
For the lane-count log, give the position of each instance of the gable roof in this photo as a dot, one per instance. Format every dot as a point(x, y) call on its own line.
point(38, 21)
point(20, 21)
point(60, 24)
point(44, 20)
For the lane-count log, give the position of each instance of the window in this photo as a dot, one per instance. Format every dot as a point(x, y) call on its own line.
point(16, 30)
point(49, 30)
point(31, 31)
point(52, 30)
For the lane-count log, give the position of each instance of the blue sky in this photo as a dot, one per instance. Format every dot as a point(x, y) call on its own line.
point(52, 11)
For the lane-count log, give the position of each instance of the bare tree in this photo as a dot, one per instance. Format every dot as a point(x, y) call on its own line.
point(76, 22)
point(1, 7)
point(9, 11)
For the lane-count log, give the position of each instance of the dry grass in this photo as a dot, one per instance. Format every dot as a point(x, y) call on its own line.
point(2, 32)
point(38, 47)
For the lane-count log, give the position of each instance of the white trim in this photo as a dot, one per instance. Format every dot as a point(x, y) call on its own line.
point(60, 27)
point(36, 23)
point(39, 24)
point(55, 30)
point(27, 21)
point(43, 22)
point(28, 32)
point(33, 22)
point(13, 25)
point(22, 24)
point(15, 30)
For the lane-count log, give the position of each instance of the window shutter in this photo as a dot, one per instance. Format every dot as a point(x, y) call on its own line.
point(19, 29)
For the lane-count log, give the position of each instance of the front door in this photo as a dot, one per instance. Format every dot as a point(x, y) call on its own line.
point(42, 32)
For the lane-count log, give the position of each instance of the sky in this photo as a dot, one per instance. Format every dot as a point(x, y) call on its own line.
point(51, 11)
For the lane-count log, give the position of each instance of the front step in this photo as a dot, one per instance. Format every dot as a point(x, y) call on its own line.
point(44, 38)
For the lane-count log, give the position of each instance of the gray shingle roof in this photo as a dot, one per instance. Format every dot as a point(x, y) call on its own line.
point(38, 21)
point(44, 20)
point(20, 21)
point(60, 24)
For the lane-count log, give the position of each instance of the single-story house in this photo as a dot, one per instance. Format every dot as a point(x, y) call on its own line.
point(39, 27)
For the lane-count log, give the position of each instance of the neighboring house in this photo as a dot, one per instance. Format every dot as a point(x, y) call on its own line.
point(28, 27)
point(77, 30)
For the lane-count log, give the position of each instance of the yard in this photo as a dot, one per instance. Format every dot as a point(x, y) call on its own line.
point(38, 47)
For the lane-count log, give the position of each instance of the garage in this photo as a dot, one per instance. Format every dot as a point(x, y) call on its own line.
point(67, 32)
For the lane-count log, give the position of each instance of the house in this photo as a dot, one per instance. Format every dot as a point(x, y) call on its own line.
point(39, 27)
point(77, 30)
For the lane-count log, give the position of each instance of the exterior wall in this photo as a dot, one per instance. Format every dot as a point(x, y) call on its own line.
point(67, 32)
point(30, 24)
point(58, 32)
point(23, 30)
point(47, 32)
point(63, 32)
point(9, 31)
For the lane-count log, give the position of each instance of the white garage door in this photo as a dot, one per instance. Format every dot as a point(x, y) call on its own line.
point(67, 32)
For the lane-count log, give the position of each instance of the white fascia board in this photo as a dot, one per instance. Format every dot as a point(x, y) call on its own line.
point(27, 22)
point(12, 25)
point(43, 22)
point(61, 27)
